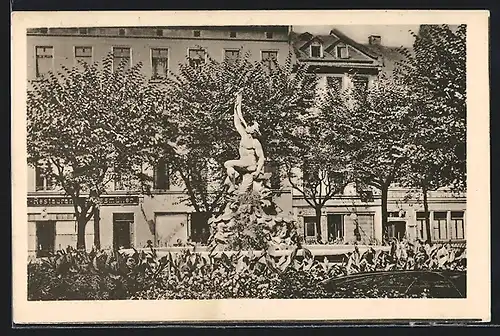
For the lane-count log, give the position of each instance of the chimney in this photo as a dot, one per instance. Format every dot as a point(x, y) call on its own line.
point(374, 39)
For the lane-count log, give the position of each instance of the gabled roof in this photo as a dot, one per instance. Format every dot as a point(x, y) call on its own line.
point(353, 43)
point(301, 43)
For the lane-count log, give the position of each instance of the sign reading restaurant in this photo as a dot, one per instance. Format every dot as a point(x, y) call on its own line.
point(58, 201)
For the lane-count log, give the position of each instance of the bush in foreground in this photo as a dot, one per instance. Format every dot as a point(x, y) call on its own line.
point(102, 275)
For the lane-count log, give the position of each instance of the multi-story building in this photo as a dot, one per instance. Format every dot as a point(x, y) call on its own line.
point(341, 62)
point(128, 219)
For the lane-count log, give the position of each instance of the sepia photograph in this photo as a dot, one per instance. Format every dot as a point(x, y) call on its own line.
point(193, 163)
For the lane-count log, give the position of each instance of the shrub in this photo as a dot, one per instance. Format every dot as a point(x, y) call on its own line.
point(143, 275)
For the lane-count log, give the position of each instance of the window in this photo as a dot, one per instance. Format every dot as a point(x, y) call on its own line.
point(83, 31)
point(334, 83)
point(162, 176)
point(121, 58)
point(200, 230)
point(273, 168)
point(123, 226)
point(365, 226)
point(269, 35)
point(159, 62)
point(310, 227)
point(231, 55)
point(315, 51)
point(335, 227)
point(83, 54)
point(122, 182)
point(360, 84)
point(45, 238)
point(159, 32)
point(440, 225)
point(43, 60)
point(270, 58)
point(342, 52)
point(196, 33)
point(196, 57)
point(457, 225)
point(121, 32)
point(421, 232)
point(232, 34)
point(44, 180)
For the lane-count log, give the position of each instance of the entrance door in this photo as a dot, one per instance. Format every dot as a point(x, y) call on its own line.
point(45, 238)
point(200, 230)
point(122, 230)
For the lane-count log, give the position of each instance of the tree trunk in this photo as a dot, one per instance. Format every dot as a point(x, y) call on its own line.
point(426, 216)
point(81, 223)
point(97, 229)
point(318, 224)
point(385, 194)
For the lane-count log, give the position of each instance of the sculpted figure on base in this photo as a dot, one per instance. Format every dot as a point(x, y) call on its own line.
point(252, 159)
point(249, 209)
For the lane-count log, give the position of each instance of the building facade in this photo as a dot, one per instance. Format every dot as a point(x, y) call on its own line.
point(342, 63)
point(128, 219)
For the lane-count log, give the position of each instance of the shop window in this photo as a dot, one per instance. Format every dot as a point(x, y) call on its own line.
point(123, 226)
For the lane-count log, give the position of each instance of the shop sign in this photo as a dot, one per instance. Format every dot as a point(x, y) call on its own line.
point(61, 201)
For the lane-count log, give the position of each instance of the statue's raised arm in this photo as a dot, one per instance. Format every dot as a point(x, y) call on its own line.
point(239, 121)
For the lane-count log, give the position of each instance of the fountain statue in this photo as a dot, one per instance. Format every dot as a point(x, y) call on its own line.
point(251, 219)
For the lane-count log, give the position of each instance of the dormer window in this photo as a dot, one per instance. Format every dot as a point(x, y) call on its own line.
point(342, 52)
point(316, 51)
